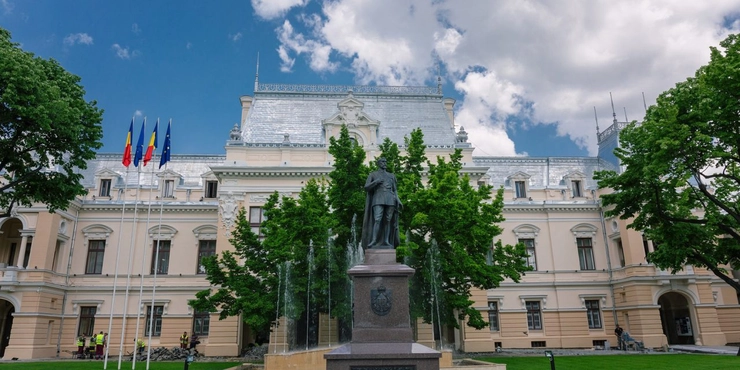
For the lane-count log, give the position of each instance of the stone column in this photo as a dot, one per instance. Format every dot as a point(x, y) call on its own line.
point(22, 253)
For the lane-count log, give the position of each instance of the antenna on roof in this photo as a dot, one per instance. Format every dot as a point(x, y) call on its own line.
point(596, 117)
point(643, 101)
point(625, 114)
point(257, 74)
point(614, 114)
point(439, 79)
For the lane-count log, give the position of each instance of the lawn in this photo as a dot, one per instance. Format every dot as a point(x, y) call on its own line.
point(621, 362)
point(113, 365)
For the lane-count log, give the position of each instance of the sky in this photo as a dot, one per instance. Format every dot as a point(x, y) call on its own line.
point(526, 74)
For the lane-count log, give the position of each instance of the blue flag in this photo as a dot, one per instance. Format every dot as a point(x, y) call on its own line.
point(166, 150)
point(140, 146)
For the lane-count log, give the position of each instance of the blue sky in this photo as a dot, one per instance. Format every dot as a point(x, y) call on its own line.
point(526, 76)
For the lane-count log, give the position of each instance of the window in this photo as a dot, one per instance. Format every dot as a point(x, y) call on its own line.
point(161, 262)
point(256, 216)
point(520, 189)
point(104, 188)
point(55, 261)
point(87, 320)
point(576, 188)
point(169, 189)
point(27, 255)
point(531, 259)
point(539, 344)
point(158, 310)
point(201, 323)
point(95, 253)
point(493, 316)
point(211, 189)
point(593, 313)
point(646, 247)
point(620, 251)
point(206, 248)
point(585, 253)
point(534, 315)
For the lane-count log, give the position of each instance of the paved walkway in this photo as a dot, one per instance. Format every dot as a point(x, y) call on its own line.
point(719, 350)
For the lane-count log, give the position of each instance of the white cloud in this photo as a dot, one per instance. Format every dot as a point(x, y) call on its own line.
point(138, 113)
point(547, 62)
point(235, 37)
point(188, 45)
point(7, 6)
point(295, 43)
point(78, 38)
point(124, 52)
point(269, 9)
point(135, 28)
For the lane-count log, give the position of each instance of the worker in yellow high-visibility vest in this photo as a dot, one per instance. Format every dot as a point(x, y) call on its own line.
point(184, 340)
point(140, 346)
point(99, 341)
point(80, 346)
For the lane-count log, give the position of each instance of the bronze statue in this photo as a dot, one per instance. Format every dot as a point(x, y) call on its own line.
point(380, 222)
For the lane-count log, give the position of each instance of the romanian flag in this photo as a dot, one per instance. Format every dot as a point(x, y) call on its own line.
point(152, 144)
point(127, 150)
point(140, 145)
point(166, 150)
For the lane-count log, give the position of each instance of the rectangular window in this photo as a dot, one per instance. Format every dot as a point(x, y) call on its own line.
point(27, 256)
point(168, 191)
point(87, 320)
point(256, 216)
point(646, 247)
point(620, 251)
point(206, 248)
point(576, 188)
point(529, 246)
point(534, 315)
point(95, 253)
point(104, 188)
point(493, 316)
point(521, 189)
point(211, 189)
point(586, 253)
point(593, 313)
point(161, 262)
point(539, 344)
point(55, 261)
point(201, 323)
point(158, 310)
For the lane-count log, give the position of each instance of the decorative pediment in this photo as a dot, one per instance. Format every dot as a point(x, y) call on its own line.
point(162, 232)
point(527, 231)
point(584, 230)
point(169, 174)
point(107, 173)
point(205, 232)
point(97, 231)
point(519, 175)
point(209, 176)
point(575, 175)
point(350, 113)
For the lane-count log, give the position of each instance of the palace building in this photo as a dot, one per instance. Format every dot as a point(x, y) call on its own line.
point(58, 271)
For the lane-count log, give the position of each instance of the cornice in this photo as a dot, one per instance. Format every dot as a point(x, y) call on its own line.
point(551, 206)
point(242, 171)
point(171, 207)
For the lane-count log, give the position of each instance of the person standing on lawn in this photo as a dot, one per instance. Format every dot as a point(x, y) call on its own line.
point(99, 341)
point(184, 340)
point(620, 340)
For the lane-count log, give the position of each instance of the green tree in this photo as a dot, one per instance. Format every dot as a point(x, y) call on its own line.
point(452, 230)
point(681, 182)
point(251, 280)
point(47, 130)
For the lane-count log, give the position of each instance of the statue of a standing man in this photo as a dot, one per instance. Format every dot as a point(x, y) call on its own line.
point(380, 223)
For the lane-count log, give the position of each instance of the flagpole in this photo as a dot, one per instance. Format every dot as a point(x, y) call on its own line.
point(159, 243)
point(143, 259)
point(118, 244)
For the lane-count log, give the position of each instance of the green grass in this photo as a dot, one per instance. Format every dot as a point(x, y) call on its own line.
point(113, 365)
point(621, 362)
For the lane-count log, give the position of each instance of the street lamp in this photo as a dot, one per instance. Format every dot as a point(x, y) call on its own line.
point(550, 357)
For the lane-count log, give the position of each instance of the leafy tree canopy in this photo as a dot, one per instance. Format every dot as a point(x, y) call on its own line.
point(681, 182)
point(47, 130)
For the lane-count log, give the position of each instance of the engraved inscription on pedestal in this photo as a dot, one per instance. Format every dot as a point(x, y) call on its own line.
point(380, 300)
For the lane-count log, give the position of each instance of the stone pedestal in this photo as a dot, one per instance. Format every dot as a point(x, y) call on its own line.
point(382, 338)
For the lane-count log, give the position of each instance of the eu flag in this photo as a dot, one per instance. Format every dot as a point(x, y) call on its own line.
point(166, 150)
point(140, 146)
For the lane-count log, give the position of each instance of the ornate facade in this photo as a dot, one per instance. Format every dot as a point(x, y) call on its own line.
point(58, 271)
